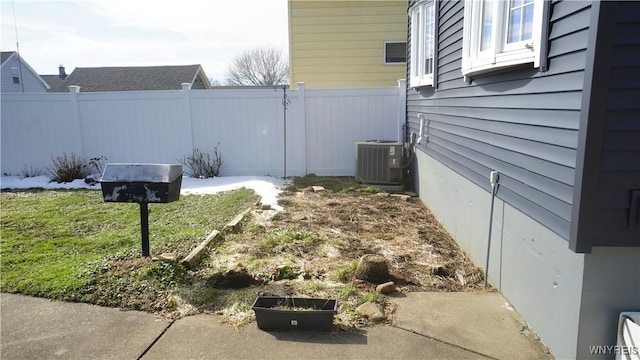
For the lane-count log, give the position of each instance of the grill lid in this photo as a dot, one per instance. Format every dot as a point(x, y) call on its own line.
point(149, 173)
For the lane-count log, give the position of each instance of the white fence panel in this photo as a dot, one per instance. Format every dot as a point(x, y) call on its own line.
point(151, 127)
point(247, 125)
point(36, 127)
point(337, 119)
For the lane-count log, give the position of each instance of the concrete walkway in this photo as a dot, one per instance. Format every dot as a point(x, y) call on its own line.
point(426, 326)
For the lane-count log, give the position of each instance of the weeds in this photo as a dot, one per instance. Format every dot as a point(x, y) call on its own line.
point(371, 190)
point(331, 183)
point(207, 296)
point(287, 240)
point(344, 273)
point(347, 291)
point(312, 287)
point(285, 272)
point(167, 273)
point(236, 306)
point(373, 297)
point(202, 165)
point(30, 172)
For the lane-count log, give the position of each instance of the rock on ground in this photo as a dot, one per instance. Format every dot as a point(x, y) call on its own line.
point(371, 311)
point(386, 288)
point(373, 268)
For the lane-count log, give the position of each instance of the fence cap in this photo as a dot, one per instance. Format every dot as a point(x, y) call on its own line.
point(136, 172)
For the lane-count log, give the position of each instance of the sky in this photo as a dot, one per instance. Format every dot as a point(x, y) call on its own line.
point(89, 33)
point(267, 187)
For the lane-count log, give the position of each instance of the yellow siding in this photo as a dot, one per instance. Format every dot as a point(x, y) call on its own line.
point(341, 43)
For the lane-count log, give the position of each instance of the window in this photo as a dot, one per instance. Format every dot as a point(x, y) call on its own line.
point(501, 33)
point(395, 52)
point(422, 43)
point(15, 74)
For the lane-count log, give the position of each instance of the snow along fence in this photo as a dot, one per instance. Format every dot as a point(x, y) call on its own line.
point(250, 126)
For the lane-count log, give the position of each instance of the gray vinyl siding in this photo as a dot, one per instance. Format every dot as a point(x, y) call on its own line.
point(521, 122)
point(619, 167)
point(29, 82)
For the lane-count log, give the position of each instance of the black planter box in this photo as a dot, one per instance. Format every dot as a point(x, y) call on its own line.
point(272, 313)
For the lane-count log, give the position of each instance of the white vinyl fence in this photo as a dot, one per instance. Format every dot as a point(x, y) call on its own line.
point(247, 125)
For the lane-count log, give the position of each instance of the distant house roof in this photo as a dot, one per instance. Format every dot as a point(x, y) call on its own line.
point(136, 78)
point(5, 56)
point(54, 81)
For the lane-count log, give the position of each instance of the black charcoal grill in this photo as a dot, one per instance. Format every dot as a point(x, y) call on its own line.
point(142, 184)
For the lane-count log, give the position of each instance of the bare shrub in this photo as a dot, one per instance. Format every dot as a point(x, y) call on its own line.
point(66, 168)
point(202, 165)
point(27, 172)
point(98, 164)
point(96, 169)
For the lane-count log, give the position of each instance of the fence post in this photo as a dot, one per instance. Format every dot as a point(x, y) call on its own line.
point(74, 90)
point(402, 108)
point(186, 97)
point(303, 116)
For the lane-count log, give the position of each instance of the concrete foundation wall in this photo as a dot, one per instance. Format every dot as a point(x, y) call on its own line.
point(532, 266)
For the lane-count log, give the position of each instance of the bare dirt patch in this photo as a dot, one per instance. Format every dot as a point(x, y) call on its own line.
point(347, 225)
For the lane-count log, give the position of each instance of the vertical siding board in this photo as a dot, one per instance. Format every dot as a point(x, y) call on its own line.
point(609, 175)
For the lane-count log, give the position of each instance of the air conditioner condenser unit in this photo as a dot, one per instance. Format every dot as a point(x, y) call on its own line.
point(379, 162)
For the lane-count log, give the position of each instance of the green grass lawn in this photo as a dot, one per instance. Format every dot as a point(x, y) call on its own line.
point(61, 244)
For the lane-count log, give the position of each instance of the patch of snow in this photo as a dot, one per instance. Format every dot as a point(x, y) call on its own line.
point(265, 186)
point(268, 188)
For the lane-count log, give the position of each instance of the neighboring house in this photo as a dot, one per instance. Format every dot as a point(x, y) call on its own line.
point(547, 93)
point(354, 43)
point(18, 76)
point(136, 78)
point(56, 81)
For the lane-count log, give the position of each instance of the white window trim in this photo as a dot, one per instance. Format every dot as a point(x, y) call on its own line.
point(418, 76)
point(384, 55)
point(501, 55)
point(15, 74)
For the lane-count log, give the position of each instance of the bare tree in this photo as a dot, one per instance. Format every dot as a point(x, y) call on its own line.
point(258, 67)
point(214, 82)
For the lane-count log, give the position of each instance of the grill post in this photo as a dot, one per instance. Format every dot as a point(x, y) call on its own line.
point(144, 228)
